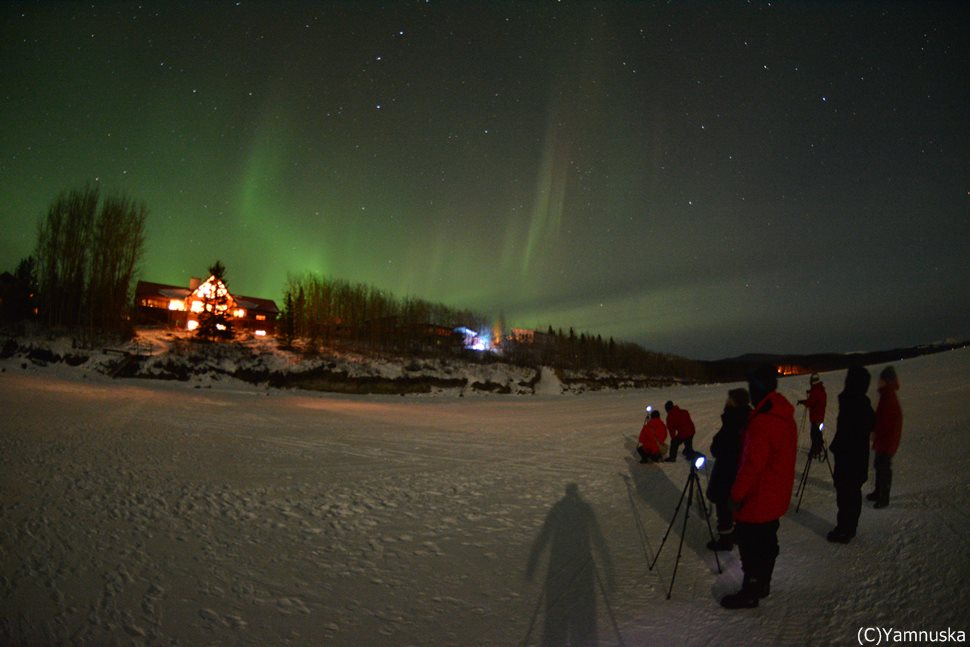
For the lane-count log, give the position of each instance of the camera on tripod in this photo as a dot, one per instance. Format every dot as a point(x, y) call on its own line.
point(692, 488)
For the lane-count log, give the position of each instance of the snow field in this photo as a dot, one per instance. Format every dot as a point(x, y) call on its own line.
point(135, 512)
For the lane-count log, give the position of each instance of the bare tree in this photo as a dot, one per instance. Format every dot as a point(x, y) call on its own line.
point(63, 242)
point(86, 259)
point(117, 246)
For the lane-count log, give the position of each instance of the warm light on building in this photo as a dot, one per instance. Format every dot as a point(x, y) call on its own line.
point(186, 308)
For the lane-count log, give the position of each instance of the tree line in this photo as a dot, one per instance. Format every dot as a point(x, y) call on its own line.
point(81, 274)
point(324, 311)
point(320, 311)
point(585, 352)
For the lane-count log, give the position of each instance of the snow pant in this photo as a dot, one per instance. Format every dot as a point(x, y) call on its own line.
point(688, 444)
point(818, 444)
point(848, 497)
point(644, 456)
point(758, 546)
point(725, 517)
point(883, 464)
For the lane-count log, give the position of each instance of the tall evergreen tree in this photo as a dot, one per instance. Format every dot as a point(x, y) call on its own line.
point(215, 319)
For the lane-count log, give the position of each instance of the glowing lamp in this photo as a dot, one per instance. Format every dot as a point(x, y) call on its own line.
point(821, 426)
point(649, 408)
point(698, 461)
point(260, 333)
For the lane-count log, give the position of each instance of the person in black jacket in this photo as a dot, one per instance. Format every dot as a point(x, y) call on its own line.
point(726, 449)
point(850, 447)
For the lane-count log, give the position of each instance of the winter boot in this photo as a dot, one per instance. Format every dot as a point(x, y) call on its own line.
point(840, 536)
point(747, 597)
point(740, 600)
point(765, 590)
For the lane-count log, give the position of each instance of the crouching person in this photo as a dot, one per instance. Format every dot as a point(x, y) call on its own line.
point(763, 486)
point(726, 450)
point(652, 439)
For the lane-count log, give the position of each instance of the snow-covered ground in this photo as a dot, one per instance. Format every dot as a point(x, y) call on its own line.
point(143, 512)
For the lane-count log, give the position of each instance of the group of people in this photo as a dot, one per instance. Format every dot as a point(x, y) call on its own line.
point(653, 435)
point(856, 423)
point(754, 469)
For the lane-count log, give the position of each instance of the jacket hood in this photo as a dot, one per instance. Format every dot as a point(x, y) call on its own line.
point(775, 404)
point(857, 381)
point(889, 387)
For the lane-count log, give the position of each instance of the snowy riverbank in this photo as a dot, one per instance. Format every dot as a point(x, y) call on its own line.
point(165, 355)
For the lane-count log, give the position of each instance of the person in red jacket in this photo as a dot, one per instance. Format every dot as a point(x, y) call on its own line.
point(652, 437)
point(886, 434)
point(681, 431)
point(763, 487)
point(815, 403)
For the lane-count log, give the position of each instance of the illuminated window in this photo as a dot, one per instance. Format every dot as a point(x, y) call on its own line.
point(176, 304)
point(239, 313)
point(260, 317)
point(193, 324)
point(197, 306)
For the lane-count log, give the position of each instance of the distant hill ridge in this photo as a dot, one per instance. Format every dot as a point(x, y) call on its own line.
point(796, 364)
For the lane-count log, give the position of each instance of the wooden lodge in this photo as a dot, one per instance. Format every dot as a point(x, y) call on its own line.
point(179, 307)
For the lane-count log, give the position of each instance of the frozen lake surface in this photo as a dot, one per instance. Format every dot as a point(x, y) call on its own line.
point(139, 512)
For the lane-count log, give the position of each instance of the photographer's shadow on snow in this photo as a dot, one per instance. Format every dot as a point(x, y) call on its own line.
point(574, 580)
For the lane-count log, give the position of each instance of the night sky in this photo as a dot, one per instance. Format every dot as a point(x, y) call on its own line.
point(706, 179)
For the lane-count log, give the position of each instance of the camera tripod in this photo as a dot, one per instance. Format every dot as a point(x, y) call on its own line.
point(800, 492)
point(692, 488)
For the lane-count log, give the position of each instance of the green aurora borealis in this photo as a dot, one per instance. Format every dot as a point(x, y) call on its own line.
point(707, 178)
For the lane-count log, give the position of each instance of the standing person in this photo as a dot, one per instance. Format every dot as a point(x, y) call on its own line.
point(815, 403)
point(850, 447)
point(652, 437)
point(681, 431)
point(726, 449)
point(888, 429)
point(763, 486)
